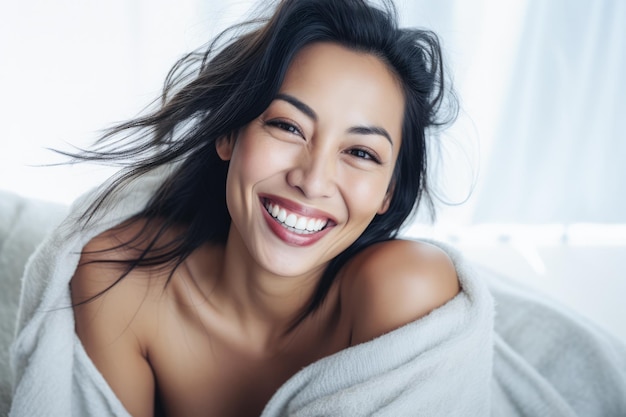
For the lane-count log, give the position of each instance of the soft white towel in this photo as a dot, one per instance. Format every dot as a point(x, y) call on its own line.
point(23, 224)
point(539, 361)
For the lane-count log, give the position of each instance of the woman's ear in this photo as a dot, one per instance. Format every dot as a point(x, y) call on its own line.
point(224, 147)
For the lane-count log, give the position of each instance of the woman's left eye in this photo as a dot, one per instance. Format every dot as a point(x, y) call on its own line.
point(363, 154)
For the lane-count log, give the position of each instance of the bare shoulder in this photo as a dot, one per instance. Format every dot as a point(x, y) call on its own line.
point(394, 283)
point(101, 266)
point(109, 319)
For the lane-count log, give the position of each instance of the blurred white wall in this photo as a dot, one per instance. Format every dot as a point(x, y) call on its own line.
point(72, 68)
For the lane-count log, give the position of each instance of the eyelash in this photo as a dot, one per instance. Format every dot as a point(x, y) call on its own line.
point(293, 129)
point(364, 154)
point(286, 126)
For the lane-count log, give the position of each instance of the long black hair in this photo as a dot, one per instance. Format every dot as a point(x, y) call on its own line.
point(213, 93)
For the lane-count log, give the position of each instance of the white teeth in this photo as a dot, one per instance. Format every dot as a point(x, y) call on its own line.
point(298, 224)
point(282, 215)
point(291, 220)
point(301, 224)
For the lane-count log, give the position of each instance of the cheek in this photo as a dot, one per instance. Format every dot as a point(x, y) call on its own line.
point(365, 194)
point(256, 158)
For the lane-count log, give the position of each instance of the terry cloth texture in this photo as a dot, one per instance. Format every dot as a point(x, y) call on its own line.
point(23, 224)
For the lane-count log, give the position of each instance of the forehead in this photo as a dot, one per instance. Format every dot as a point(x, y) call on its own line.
point(358, 86)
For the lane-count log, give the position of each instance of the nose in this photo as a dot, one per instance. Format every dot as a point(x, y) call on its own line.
point(314, 174)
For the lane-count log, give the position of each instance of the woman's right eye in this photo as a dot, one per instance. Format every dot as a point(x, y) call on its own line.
point(286, 126)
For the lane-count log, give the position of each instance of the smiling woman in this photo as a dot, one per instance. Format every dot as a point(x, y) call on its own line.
point(245, 259)
point(305, 179)
point(287, 157)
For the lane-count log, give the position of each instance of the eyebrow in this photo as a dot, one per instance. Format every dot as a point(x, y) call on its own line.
point(298, 105)
point(359, 130)
point(371, 130)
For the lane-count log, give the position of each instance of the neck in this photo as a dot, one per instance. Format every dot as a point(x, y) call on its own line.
point(263, 303)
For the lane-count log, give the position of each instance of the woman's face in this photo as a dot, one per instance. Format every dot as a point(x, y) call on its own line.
point(307, 176)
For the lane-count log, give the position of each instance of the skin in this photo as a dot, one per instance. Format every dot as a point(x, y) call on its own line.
point(324, 149)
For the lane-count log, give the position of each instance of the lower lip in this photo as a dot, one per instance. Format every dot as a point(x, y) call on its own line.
point(287, 236)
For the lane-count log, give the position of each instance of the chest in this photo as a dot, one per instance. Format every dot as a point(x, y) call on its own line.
point(200, 372)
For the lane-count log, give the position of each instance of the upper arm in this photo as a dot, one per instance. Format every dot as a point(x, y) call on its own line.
point(394, 283)
point(110, 329)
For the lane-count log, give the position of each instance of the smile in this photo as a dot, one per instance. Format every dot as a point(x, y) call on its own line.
point(294, 222)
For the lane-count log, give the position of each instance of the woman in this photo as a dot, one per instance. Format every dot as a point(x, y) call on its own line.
point(299, 149)
point(245, 261)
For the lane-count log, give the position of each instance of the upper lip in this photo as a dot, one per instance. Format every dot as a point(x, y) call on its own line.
point(298, 209)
